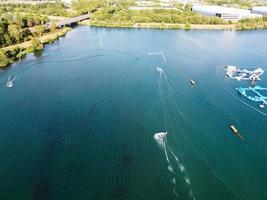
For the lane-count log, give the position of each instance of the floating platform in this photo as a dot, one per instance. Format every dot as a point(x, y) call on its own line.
point(233, 128)
point(192, 82)
point(258, 97)
point(239, 73)
point(236, 132)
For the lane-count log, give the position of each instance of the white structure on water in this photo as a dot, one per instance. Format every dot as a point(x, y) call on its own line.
point(226, 13)
point(244, 74)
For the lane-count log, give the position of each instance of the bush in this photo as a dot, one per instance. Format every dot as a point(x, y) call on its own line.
point(187, 26)
point(36, 44)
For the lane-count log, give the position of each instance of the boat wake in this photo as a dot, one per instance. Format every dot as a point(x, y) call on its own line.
point(175, 166)
point(160, 70)
point(10, 81)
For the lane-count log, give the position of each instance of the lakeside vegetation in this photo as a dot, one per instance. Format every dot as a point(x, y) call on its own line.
point(118, 14)
point(10, 54)
point(52, 9)
point(14, 29)
point(16, 24)
point(255, 23)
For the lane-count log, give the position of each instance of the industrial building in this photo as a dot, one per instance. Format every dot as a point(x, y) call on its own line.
point(259, 10)
point(226, 13)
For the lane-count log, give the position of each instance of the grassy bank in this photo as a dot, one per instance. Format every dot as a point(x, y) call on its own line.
point(245, 24)
point(10, 54)
point(163, 25)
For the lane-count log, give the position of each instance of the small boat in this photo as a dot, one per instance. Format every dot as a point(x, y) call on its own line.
point(9, 82)
point(233, 128)
point(236, 132)
point(192, 82)
point(160, 136)
point(160, 70)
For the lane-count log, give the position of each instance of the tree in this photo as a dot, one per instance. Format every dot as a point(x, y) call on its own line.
point(14, 33)
point(36, 44)
point(53, 27)
point(187, 26)
point(25, 34)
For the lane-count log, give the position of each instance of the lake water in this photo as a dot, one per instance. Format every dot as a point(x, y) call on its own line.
point(79, 121)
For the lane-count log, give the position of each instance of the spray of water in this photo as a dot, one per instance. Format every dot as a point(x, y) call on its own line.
point(161, 139)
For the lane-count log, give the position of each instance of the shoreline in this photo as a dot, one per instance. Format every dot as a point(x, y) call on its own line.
point(47, 38)
point(235, 27)
point(22, 49)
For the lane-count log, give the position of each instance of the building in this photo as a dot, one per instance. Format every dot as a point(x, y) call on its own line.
point(259, 10)
point(226, 13)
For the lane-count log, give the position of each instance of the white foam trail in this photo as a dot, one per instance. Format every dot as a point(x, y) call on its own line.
point(170, 168)
point(160, 138)
point(166, 154)
point(175, 193)
point(10, 81)
point(173, 154)
point(181, 167)
point(187, 180)
point(160, 70)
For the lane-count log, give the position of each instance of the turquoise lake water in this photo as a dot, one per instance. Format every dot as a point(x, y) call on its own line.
point(80, 119)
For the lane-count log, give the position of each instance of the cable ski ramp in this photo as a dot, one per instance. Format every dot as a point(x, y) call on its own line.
point(158, 53)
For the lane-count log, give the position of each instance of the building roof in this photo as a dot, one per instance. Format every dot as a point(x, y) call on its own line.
point(213, 10)
point(259, 9)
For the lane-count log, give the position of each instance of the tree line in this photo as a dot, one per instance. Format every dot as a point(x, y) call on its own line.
point(14, 28)
point(54, 9)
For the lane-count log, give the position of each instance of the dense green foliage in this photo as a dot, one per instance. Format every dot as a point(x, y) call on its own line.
point(13, 53)
point(85, 6)
point(252, 23)
point(14, 28)
point(114, 15)
point(54, 9)
point(117, 12)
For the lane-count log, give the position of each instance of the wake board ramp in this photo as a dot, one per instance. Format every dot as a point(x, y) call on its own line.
point(158, 53)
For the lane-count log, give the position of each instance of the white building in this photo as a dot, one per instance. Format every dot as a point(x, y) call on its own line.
point(226, 13)
point(260, 10)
